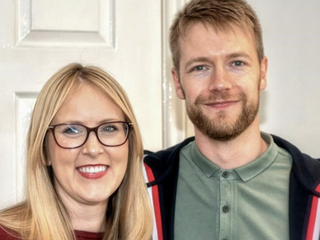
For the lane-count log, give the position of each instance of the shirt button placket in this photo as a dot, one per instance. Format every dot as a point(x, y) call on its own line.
point(225, 204)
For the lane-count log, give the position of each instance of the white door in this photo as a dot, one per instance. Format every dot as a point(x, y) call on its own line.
point(40, 36)
point(129, 38)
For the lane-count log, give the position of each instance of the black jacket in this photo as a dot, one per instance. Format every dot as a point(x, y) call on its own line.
point(304, 193)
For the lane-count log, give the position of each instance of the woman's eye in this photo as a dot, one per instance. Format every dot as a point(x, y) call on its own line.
point(71, 130)
point(109, 128)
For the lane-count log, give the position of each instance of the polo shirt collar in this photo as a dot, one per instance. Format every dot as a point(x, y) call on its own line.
point(246, 172)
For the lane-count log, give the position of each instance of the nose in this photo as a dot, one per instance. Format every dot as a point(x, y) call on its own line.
point(92, 146)
point(219, 80)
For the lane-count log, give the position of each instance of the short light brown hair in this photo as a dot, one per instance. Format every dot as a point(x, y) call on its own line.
point(220, 14)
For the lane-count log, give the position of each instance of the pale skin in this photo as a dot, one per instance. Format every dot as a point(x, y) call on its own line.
point(224, 60)
point(86, 199)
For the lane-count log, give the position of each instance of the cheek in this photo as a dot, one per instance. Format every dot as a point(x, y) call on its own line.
point(249, 83)
point(59, 157)
point(119, 158)
point(194, 89)
point(123, 155)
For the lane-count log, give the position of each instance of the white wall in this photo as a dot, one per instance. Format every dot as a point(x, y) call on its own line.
point(290, 106)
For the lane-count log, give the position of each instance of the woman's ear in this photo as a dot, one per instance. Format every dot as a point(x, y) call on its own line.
point(45, 148)
point(49, 163)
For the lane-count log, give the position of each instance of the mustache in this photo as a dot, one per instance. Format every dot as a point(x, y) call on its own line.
point(217, 96)
point(220, 96)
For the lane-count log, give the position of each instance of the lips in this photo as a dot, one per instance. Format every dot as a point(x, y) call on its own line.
point(221, 104)
point(93, 172)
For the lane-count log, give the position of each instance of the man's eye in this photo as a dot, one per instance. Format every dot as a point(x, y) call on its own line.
point(238, 63)
point(199, 68)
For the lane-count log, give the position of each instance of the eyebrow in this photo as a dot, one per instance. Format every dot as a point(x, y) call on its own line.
point(99, 122)
point(195, 60)
point(228, 56)
point(239, 54)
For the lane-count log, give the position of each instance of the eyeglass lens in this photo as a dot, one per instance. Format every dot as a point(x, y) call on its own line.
point(75, 135)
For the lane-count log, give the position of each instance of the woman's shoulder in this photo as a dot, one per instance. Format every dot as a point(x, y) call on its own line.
point(7, 234)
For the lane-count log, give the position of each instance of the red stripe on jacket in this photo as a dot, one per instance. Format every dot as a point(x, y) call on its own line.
point(156, 203)
point(313, 216)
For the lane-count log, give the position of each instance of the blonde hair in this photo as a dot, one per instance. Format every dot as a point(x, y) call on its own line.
point(220, 14)
point(42, 215)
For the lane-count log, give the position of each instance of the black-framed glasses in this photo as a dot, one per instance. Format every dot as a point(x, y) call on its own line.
point(110, 134)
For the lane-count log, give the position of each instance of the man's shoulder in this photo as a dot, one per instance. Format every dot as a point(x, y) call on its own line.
point(306, 168)
point(165, 158)
point(165, 153)
point(294, 151)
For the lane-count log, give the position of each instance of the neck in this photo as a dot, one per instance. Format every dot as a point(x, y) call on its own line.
point(86, 217)
point(90, 219)
point(235, 153)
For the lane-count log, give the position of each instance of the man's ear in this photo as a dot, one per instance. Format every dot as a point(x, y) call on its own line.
point(177, 83)
point(263, 73)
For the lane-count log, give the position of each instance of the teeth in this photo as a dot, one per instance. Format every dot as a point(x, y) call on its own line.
point(92, 169)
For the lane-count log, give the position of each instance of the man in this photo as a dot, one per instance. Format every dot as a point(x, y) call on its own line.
point(230, 181)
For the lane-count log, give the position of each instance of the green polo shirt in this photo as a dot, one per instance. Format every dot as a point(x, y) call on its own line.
point(247, 203)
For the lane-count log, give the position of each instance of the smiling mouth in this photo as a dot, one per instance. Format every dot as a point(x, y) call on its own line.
point(221, 104)
point(92, 169)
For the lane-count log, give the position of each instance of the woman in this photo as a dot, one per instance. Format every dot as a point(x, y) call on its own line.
point(84, 178)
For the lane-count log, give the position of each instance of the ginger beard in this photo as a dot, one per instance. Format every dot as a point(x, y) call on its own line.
point(219, 128)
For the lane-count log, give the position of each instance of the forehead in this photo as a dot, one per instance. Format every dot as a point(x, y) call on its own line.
point(206, 39)
point(219, 30)
point(87, 104)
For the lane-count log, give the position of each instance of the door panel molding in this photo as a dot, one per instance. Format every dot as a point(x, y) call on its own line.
point(43, 23)
point(176, 125)
point(24, 102)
